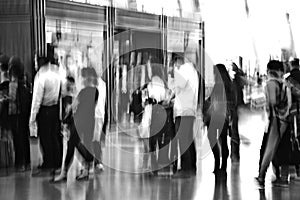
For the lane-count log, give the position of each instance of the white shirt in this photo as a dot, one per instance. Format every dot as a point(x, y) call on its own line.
point(46, 89)
point(100, 109)
point(156, 89)
point(186, 84)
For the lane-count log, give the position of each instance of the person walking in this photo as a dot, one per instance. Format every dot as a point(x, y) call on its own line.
point(45, 113)
point(238, 85)
point(81, 123)
point(277, 106)
point(220, 101)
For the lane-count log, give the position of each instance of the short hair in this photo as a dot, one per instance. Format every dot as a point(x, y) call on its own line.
point(16, 67)
point(42, 61)
point(178, 58)
point(90, 74)
point(70, 79)
point(4, 59)
point(295, 62)
point(275, 65)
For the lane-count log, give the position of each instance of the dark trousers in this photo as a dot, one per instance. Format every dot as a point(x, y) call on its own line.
point(219, 145)
point(235, 137)
point(75, 142)
point(184, 126)
point(50, 138)
point(20, 131)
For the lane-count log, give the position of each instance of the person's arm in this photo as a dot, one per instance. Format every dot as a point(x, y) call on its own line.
point(180, 80)
point(99, 115)
point(37, 97)
point(272, 92)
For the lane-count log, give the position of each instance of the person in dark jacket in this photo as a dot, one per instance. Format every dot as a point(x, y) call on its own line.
point(220, 101)
point(4, 85)
point(81, 125)
point(278, 102)
point(19, 112)
point(285, 147)
point(238, 85)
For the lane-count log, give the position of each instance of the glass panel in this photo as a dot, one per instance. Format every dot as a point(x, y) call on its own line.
point(76, 45)
point(132, 71)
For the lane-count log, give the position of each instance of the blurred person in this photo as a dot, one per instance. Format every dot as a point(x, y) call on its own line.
point(100, 123)
point(45, 113)
point(67, 100)
point(186, 83)
point(4, 88)
point(237, 89)
point(220, 101)
point(19, 112)
point(293, 79)
point(277, 107)
point(82, 126)
point(156, 94)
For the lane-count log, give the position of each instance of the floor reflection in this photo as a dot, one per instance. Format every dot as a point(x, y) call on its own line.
point(221, 189)
point(113, 184)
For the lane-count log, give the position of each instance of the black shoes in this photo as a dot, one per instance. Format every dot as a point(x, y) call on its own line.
point(60, 179)
point(83, 176)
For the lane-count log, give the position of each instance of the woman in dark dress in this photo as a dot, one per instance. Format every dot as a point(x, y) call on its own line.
point(220, 102)
point(82, 125)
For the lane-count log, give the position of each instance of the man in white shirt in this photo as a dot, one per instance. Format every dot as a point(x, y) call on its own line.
point(186, 82)
point(45, 113)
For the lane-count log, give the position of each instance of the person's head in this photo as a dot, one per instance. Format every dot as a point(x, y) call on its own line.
point(69, 60)
point(4, 59)
point(89, 76)
point(16, 68)
point(275, 68)
point(221, 75)
point(295, 63)
point(43, 61)
point(178, 61)
point(70, 84)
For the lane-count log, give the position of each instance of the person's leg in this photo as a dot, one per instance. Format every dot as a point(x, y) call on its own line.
point(146, 153)
point(192, 148)
point(26, 145)
point(185, 135)
point(285, 173)
point(152, 151)
point(235, 139)
point(56, 138)
point(98, 152)
point(44, 136)
point(224, 146)
point(270, 150)
point(263, 148)
point(17, 139)
point(71, 144)
point(213, 141)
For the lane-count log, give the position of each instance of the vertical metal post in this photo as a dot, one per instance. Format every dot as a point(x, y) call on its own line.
point(202, 67)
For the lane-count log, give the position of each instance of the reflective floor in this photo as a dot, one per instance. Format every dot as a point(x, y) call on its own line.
point(122, 152)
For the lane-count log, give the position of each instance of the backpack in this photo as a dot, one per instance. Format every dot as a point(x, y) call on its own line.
point(283, 100)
